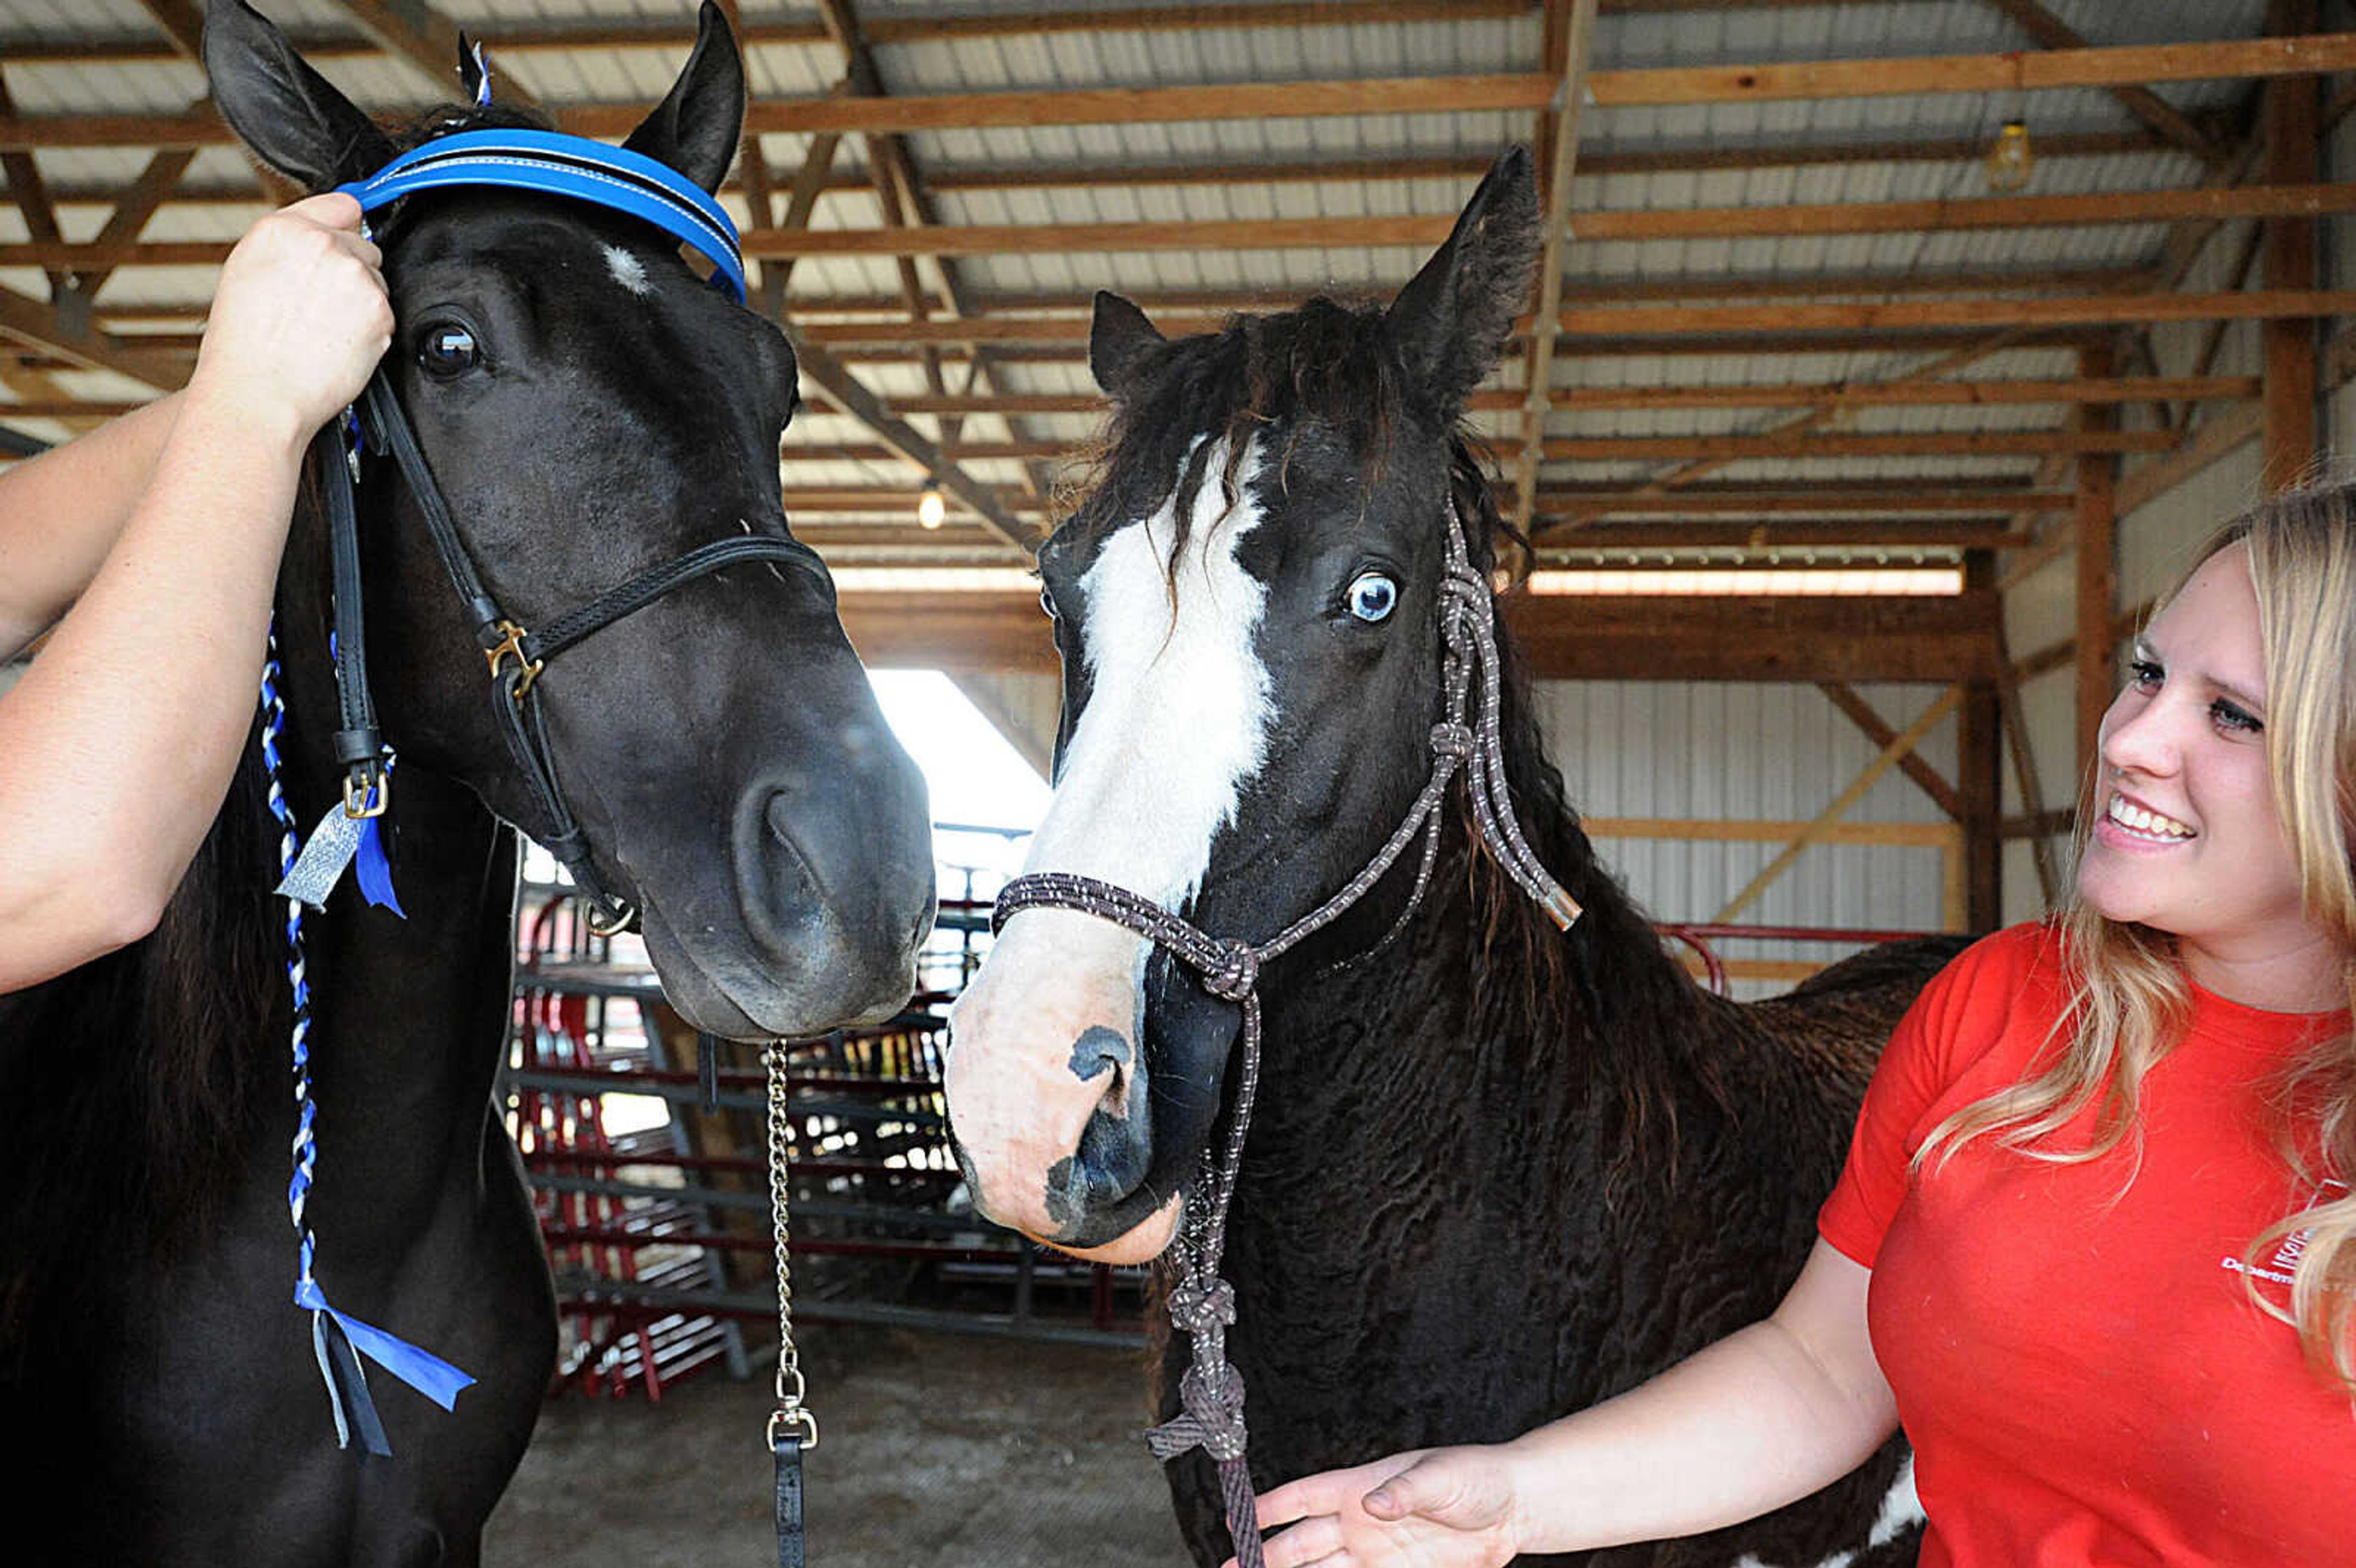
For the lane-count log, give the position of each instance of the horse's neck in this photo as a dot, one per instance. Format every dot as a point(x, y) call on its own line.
point(1460, 1029)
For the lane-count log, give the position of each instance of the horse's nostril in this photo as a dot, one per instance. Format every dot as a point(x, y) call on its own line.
point(791, 871)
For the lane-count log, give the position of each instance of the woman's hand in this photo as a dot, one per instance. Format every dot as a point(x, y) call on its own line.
point(1442, 1508)
point(299, 319)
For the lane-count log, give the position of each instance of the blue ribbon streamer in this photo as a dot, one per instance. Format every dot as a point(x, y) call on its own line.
point(426, 1373)
point(374, 873)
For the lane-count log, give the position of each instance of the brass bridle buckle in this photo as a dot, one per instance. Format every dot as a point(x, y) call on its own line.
point(367, 797)
point(511, 641)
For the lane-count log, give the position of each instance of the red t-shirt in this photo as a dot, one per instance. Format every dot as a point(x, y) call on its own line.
point(2084, 1380)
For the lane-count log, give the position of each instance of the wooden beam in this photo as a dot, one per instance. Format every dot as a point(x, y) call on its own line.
point(905, 442)
point(2096, 581)
point(1900, 745)
point(2289, 113)
point(1908, 443)
point(2133, 65)
point(1689, 159)
point(1692, 223)
point(1570, 39)
point(182, 23)
point(2024, 763)
point(1670, 448)
point(1861, 394)
point(2105, 309)
point(1979, 771)
point(1933, 496)
point(1878, 730)
point(1526, 92)
point(29, 321)
point(1560, 637)
point(136, 205)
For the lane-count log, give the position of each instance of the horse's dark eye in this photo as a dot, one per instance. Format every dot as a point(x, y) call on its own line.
point(1373, 597)
point(446, 349)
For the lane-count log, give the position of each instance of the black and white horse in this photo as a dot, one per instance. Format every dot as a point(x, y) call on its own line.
point(1496, 1172)
point(589, 408)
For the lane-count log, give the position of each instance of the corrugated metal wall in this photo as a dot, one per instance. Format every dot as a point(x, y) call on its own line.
point(1735, 751)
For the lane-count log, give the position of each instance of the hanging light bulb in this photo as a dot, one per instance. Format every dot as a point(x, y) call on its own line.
point(930, 509)
point(2010, 161)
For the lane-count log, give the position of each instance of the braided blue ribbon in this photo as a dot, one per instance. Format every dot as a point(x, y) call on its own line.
point(338, 1339)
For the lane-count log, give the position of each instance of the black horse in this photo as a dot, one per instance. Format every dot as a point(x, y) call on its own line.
point(589, 408)
point(1498, 1173)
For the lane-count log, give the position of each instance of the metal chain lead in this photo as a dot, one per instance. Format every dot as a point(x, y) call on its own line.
point(790, 1413)
point(1201, 1304)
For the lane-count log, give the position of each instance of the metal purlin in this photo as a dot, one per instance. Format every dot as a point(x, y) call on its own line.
point(338, 1339)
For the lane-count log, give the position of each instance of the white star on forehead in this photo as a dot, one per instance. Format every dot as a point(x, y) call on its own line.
point(627, 269)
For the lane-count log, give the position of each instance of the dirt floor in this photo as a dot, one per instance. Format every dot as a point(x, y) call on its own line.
point(936, 1449)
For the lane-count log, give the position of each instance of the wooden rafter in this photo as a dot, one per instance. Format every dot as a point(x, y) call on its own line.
point(183, 23)
point(1571, 40)
point(31, 192)
point(1863, 394)
point(28, 321)
point(1878, 730)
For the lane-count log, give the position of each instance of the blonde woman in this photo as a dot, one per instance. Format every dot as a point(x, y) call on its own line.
point(2092, 1247)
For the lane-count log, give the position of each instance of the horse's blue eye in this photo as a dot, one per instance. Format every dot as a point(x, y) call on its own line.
point(447, 349)
point(1373, 596)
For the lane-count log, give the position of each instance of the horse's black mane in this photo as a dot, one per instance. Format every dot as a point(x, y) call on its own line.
point(145, 1062)
point(1333, 368)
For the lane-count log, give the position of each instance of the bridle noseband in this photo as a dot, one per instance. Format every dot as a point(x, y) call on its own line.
point(1211, 1391)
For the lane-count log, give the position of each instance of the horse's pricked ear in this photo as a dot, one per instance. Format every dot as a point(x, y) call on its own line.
point(284, 111)
point(694, 128)
point(1119, 340)
point(1453, 321)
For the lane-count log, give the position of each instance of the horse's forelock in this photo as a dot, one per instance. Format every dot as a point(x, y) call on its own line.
point(451, 119)
point(1326, 364)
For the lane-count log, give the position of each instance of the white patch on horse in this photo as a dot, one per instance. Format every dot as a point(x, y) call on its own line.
point(1179, 707)
point(1900, 1509)
point(628, 270)
point(1902, 1506)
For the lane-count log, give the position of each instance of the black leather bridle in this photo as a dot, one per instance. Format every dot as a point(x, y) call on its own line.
point(516, 656)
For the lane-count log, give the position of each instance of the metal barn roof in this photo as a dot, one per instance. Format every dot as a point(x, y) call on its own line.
point(1794, 314)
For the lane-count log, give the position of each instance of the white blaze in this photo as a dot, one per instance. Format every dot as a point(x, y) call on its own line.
point(1178, 710)
point(1177, 721)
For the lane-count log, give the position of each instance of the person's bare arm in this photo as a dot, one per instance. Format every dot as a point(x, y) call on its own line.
point(61, 512)
point(1765, 1417)
point(118, 744)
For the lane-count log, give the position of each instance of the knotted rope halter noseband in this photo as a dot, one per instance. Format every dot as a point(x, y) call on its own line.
point(551, 163)
point(1211, 1391)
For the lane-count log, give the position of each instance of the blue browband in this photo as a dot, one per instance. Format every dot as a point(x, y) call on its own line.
point(557, 164)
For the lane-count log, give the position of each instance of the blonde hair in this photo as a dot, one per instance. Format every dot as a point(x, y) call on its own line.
point(2130, 999)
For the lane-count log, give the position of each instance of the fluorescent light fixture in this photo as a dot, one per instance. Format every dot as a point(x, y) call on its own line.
point(1845, 582)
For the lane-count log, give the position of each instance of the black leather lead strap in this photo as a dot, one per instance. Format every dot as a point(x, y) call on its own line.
point(358, 744)
point(788, 1442)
